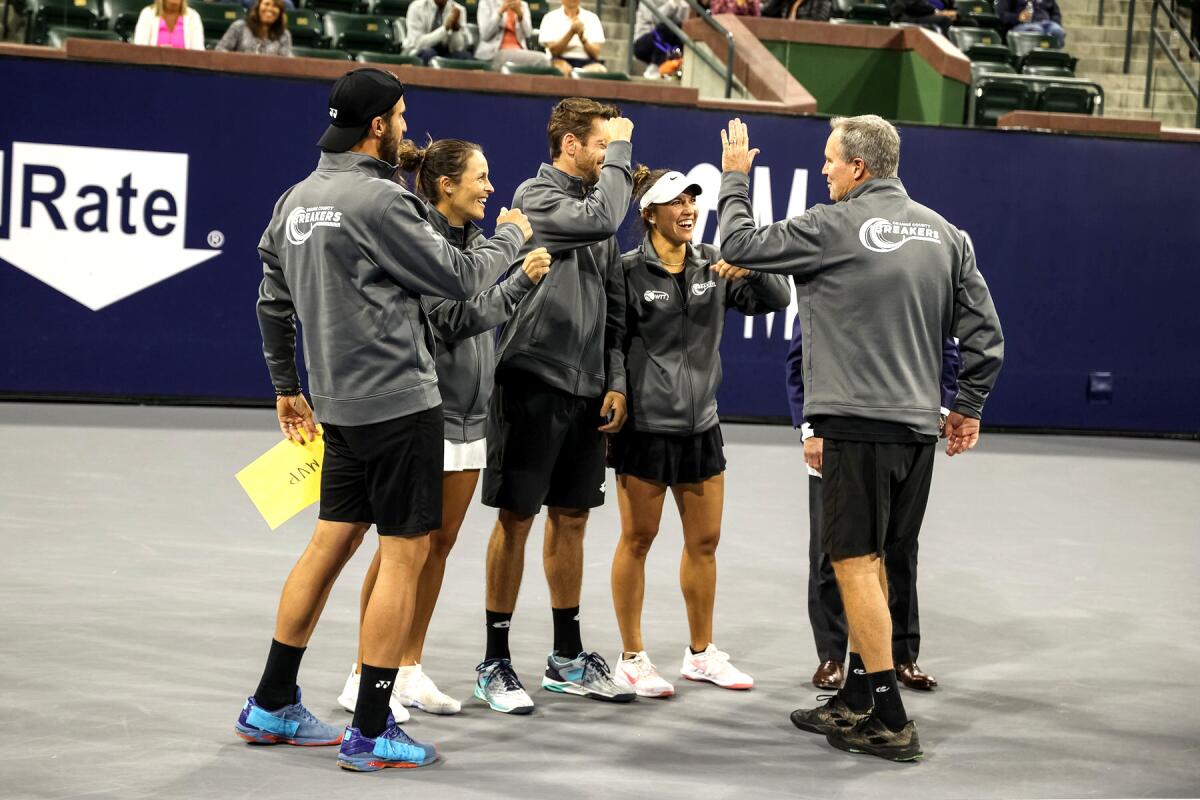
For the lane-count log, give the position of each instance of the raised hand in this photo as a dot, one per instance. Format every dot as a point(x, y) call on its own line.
point(961, 433)
point(736, 155)
point(537, 264)
point(518, 218)
point(295, 418)
point(728, 271)
point(618, 129)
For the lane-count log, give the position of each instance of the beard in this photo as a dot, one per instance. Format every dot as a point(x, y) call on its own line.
point(589, 168)
point(389, 145)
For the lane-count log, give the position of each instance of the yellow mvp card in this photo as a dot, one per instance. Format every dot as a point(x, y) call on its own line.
point(285, 480)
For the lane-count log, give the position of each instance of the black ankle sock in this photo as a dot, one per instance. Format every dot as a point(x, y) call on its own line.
point(889, 708)
point(856, 692)
point(696, 652)
point(498, 624)
point(374, 694)
point(567, 642)
point(277, 688)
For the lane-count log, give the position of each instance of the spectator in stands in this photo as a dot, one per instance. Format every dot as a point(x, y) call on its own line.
point(288, 5)
point(933, 13)
point(742, 8)
point(654, 42)
point(573, 36)
point(437, 28)
point(811, 10)
point(504, 28)
point(169, 23)
point(263, 31)
point(1036, 16)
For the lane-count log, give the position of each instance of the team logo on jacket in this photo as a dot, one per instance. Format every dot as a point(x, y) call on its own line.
point(883, 236)
point(699, 289)
point(654, 294)
point(302, 221)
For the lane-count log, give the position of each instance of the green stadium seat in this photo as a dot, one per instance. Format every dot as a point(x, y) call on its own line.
point(583, 74)
point(981, 68)
point(529, 69)
point(354, 32)
point(57, 35)
point(308, 30)
point(366, 56)
point(41, 14)
point(344, 6)
point(966, 38)
point(437, 62)
point(1065, 98)
point(472, 7)
point(217, 17)
point(321, 52)
point(120, 16)
point(862, 13)
point(537, 10)
point(1048, 71)
point(996, 97)
point(980, 13)
point(392, 9)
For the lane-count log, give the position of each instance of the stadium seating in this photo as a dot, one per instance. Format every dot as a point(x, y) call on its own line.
point(981, 68)
point(344, 6)
point(583, 74)
point(1066, 98)
point(392, 9)
point(120, 16)
point(354, 32)
point(459, 63)
point(1038, 49)
point(307, 28)
point(41, 14)
point(1048, 71)
point(995, 97)
point(57, 35)
point(981, 44)
point(862, 13)
point(472, 7)
point(537, 10)
point(529, 69)
point(368, 56)
point(322, 52)
point(981, 13)
point(217, 17)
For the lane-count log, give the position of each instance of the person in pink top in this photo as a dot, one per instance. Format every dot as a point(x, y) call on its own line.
point(169, 23)
point(743, 8)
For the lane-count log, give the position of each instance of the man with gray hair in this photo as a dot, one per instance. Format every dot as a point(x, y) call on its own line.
point(882, 282)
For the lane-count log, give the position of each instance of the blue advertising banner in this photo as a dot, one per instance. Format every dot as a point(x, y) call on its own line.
point(131, 207)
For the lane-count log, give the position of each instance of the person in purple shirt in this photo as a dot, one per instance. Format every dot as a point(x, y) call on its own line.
point(825, 612)
point(1037, 16)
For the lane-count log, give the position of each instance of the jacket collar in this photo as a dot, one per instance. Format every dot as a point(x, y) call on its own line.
point(694, 257)
point(568, 183)
point(457, 236)
point(877, 186)
point(355, 162)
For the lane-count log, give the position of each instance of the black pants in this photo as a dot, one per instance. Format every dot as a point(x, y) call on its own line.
point(825, 611)
point(655, 46)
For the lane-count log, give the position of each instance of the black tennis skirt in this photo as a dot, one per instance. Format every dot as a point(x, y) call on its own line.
point(668, 458)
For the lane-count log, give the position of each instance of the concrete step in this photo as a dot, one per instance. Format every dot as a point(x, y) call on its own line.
point(1136, 80)
point(1115, 64)
point(1181, 102)
point(1094, 34)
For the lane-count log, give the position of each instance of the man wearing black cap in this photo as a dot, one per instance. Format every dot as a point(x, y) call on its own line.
point(349, 253)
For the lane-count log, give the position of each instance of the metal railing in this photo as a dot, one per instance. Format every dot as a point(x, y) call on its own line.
point(982, 80)
point(705, 56)
point(1155, 36)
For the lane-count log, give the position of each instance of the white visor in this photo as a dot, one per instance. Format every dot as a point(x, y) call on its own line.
point(667, 188)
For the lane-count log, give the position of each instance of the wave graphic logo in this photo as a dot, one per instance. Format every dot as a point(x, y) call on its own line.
point(302, 221)
point(885, 236)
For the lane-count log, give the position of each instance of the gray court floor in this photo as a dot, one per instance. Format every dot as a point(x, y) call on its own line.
point(138, 590)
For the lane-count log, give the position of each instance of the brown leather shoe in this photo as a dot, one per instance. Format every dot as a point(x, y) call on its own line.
point(830, 675)
point(911, 676)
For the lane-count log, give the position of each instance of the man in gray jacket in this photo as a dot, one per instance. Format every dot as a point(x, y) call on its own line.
point(349, 253)
point(882, 281)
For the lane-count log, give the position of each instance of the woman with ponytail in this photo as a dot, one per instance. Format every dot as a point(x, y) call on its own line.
point(677, 294)
point(451, 175)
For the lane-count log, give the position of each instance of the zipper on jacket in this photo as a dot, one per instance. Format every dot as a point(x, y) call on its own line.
point(478, 371)
point(687, 365)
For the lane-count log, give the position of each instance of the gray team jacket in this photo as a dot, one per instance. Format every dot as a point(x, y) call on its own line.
point(882, 282)
point(466, 354)
point(672, 343)
point(567, 331)
point(350, 253)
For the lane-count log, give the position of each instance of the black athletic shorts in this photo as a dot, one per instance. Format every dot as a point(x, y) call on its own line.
point(544, 447)
point(387, 473)
point(873, 495)
point(667, 458)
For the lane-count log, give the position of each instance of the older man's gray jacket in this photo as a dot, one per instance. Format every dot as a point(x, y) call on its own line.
point(882, 282)
point(350, 253)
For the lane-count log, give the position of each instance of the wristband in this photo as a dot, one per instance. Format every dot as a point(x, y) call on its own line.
point(292, 392)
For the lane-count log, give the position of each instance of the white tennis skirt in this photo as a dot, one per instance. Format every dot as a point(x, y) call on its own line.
point(460, 456)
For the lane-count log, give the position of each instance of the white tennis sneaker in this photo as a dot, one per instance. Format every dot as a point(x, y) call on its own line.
point(417, 690)
point(639, 674)
point(497, 684)
point(713, 666)
point(349, 698)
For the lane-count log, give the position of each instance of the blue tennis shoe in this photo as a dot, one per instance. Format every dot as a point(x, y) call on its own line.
point(392, 748)
point(292, 724)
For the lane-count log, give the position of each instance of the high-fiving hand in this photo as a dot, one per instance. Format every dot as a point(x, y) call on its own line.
point(618, 129)
point(728, 271)
point(518, 218)
point(736, 155)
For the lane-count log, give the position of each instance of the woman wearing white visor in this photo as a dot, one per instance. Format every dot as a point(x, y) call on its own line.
point(677, 294)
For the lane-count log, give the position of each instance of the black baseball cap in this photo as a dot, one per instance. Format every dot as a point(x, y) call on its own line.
point(356, 99)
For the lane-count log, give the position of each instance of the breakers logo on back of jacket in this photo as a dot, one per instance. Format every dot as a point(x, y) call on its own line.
point(884, 236)
point(301, 222)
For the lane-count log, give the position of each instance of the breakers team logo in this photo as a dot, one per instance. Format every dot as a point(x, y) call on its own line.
point(699, 289)
point(95, 223)
point(654, 294)
point(302, 221)
point(884, 236)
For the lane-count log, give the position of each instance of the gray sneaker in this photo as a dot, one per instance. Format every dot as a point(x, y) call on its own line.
point(834, 716)
point(873, 738)
point(586, 675)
